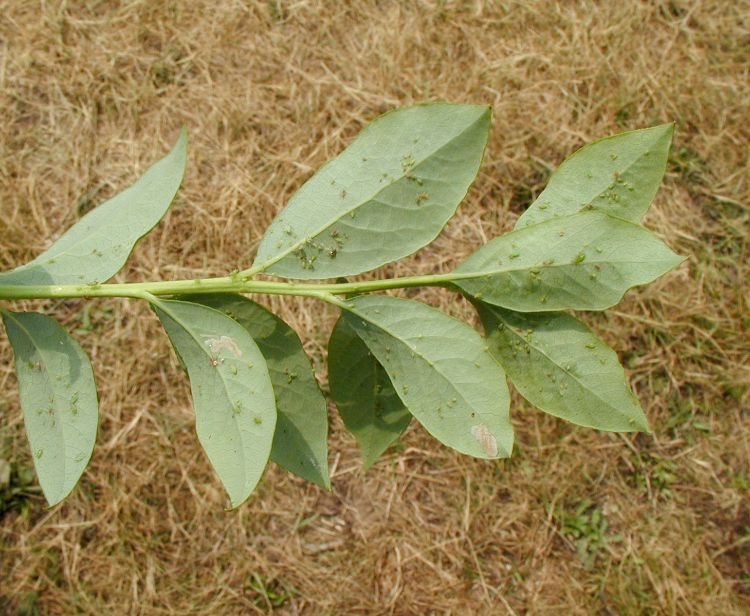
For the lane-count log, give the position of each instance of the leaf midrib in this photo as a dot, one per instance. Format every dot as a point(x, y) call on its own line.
point(555, 265)
point(598, 194)
point(60, 431)
point(199, 344)
point(51, 254)
point(554, 363)
point(430, 364)
point(365, 200)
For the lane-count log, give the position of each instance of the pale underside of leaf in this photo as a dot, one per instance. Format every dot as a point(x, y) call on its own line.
point(58, 398)
point(235, 409)
point(561, 367)
point(618, 174)
point(441, 370)
point(585, 261)
point(364, 395)
point(97, 246)
point(384, 197)
point(300, 441)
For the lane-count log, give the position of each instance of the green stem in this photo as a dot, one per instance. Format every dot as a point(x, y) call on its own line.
point(225, 284)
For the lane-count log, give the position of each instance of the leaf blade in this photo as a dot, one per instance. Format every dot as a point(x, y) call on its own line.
point(58, 398)
point(455, 389)
point(619, 174)
point(364, 395)
point(384, 197)
point(96, 247)
point(585, 261)
point(235, 409)
point(300, 439)
point(559, 365)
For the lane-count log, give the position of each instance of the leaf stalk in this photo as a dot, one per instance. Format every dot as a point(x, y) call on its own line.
point(222, 284)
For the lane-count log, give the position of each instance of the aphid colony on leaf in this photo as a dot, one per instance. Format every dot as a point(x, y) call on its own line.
point(578, 246)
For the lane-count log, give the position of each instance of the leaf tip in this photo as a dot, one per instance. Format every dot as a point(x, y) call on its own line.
point(324, 481)
point(675, 260)
point(236, 502)
point(638, 422)
point(54, 498)
point(641, 425)
point(181, 146)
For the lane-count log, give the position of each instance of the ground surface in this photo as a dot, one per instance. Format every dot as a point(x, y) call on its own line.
point(578, 522)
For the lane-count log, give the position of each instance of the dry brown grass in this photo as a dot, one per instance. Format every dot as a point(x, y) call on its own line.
point(91, 92)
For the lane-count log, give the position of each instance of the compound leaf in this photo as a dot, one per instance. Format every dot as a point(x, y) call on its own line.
point(585, 261)
point(97, 246)
point(387, 195)
point(560, 366)
point(618, 174)
point(441, 370)
point(235, 410)
point(364, 395)
point(58, 398)
point(300, 441)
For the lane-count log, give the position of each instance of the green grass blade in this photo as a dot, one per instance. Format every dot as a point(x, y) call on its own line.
point(364, 395)
point(58, 398)
point(97, 246)
point(384, 197)
point(235, 410)
point(300, 441)
point(561, 367)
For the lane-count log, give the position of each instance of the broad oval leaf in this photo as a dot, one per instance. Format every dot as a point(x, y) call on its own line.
point(300, 441)
point(441, 370)
point(560, 366)
point(364, 395)
point(618, 174)
point(58, 398)
point(97, 246)
point(384, 197)
point(235, 410)
point(585, 261)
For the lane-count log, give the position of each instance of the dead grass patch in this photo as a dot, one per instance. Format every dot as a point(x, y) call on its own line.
point(577, 522)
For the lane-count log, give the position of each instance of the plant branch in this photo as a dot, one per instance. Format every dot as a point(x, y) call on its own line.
point(225, 284)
